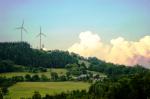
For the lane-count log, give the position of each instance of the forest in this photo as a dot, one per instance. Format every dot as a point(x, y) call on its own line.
point(21, 53)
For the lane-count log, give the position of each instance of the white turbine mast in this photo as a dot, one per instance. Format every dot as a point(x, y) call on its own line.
point(40, 35)
point(21, 28)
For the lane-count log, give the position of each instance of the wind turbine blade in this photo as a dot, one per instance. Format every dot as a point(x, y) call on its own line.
point(43, 34)
point(18, 28)
point(38, 35)
point(25, 30)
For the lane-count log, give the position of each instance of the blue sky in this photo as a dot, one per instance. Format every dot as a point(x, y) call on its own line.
point(63, 20)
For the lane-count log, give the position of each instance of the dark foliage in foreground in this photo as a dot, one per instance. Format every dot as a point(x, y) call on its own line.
point(6, 82)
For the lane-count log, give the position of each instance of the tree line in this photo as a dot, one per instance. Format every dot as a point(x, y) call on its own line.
point(113, 70)
point(21, 53)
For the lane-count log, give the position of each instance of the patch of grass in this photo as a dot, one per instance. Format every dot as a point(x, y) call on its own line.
point(26, 89)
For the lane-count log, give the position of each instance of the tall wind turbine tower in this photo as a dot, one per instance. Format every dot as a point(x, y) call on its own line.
point(21, 28)
point(40, 35)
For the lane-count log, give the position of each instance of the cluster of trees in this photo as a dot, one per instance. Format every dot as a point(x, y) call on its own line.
point(128, 87)
point(76, 69)
point(79, 72)
point(75, 94)
point(28, 77)
point(136, 86)
point(113, 70)
point(9, 66)
point(4, 84)
point(43, 78)
point(56, 77)
point(22, 54)
point(35, 77)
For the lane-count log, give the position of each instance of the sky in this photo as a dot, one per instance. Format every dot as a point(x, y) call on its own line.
point(74, 24)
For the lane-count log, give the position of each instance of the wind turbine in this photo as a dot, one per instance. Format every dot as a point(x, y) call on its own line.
point(22, 29)
point(40, 35)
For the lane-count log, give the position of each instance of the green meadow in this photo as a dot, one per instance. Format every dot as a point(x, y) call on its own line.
point(26, 89)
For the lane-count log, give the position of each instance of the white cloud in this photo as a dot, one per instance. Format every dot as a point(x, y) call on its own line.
point(89, 45)
point(119, 50)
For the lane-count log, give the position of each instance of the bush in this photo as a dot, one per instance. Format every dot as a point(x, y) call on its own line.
point(44, 78)
point(35, 78)
point(1, 95)
point(28, 77)
point(36, 95)
point(4, 90)
point(6, 82)
point(54, 76)
point(18, 78)
point(42, 69)
point(62, 78)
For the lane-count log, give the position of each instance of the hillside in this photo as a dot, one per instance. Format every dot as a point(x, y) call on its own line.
point(22, 54)
point(54, 73)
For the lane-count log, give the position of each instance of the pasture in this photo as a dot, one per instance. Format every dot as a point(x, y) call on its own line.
point(26, 89)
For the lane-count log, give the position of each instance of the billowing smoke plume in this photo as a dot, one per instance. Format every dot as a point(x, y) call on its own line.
point(119, 50)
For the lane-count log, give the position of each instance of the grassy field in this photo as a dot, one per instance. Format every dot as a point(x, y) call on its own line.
point(26, 89)
point(11, 74)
